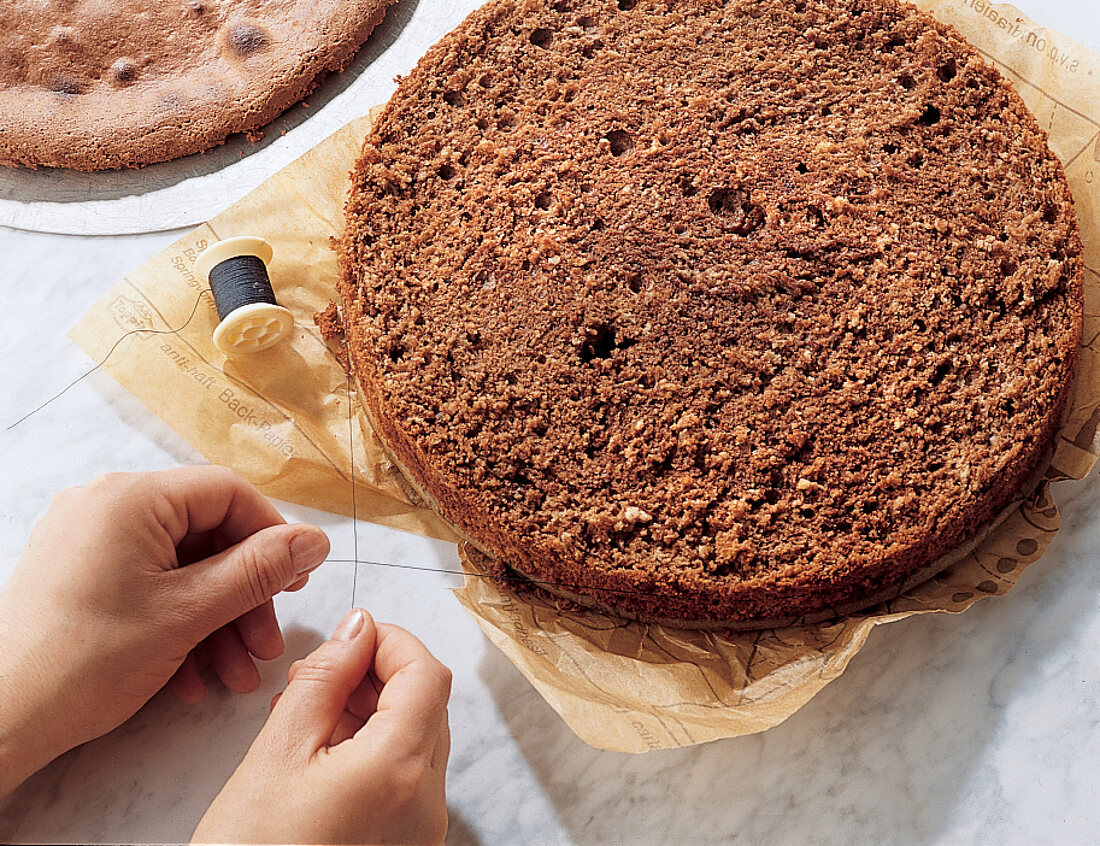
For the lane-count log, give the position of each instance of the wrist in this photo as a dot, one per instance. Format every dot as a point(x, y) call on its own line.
point(27, 742)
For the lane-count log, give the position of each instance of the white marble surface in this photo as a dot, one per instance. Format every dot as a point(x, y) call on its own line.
point(981, 728)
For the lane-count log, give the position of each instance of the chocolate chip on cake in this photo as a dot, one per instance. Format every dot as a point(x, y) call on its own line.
point(123, 71)
point(714, 312)
point(107, 77)
point(246, 39)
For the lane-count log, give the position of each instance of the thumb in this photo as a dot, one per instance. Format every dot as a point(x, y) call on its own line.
point(316, 697)
point(231, 583)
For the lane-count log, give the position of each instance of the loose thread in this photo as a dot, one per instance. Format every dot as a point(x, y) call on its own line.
point(521, 581)
point(351, 476)
point(106, 358)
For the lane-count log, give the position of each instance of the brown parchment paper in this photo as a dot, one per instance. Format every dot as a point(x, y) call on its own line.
point(286, 419)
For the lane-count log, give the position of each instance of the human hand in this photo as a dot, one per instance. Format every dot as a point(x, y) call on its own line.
point(101, 613)
point(355, 749)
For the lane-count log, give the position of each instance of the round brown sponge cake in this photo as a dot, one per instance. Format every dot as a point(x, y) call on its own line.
point(717, 313)
point(94, 85)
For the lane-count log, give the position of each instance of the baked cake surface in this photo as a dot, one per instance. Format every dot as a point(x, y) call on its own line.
point(717, 313)
point(94, 85)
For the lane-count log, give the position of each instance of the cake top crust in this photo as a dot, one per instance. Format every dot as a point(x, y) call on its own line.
point(712, 310)
point(97, 84)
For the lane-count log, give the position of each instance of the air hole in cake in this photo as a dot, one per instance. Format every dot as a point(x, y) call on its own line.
point(893, 44)
point(598, 225)
point(736, 205)
point(687, 188)
point(486, 80)
point(396, 353)
point(626, 5)
point(587, 23)
point(570, 93)
point(890, 149)
point(454, 98)
point(446, 172)
point(870, 507)
point(907, 82)
point(940, 373)
point(589, 50)
point(620, 141)
point(801, 167)
point(507, 122)
point(947, 71)
point(482, 124)
point(726, 200)
point(541, 37)
point(543, 200)
point(826, 111)
point(562, 6)
point(1008, 267)
point(634, 283)
point(771, 496)
point(916, 160)
point(931, 115)
point(599, 342)
point(1050, 214)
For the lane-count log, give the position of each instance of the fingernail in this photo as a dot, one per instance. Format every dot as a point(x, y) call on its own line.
point(308, 550)
point(350, 626)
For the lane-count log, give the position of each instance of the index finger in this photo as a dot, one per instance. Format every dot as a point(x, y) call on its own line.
point(412, 705)
point(212, 498)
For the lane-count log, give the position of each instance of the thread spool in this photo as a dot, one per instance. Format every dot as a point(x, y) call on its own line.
point(250, 318)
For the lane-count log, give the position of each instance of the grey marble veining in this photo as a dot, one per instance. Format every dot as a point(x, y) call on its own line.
point(976, 728)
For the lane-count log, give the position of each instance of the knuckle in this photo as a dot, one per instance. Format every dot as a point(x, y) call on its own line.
point(318, 668)
point(68, 496)
point(112, 494)
point(264, 574)
point(111, 484)
point(443, 678)
point(227, 475)
point(104, 480)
